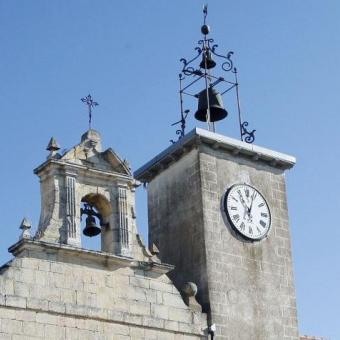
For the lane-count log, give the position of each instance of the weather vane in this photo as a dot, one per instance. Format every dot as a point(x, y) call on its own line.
point(210, 104)
point(91, 104)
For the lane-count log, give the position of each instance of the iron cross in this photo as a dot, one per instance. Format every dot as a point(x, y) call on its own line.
point(91, 104)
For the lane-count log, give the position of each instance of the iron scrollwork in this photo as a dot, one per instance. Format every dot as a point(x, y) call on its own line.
point(180, 132)
point(228, 64)
point(188, 71)
point(250, 135)
point(206, 46)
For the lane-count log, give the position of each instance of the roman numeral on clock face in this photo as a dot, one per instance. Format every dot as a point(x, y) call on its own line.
point(236, 217)
point(264, 215)
point(261, 205)
point(263, 223)
point(254, 195)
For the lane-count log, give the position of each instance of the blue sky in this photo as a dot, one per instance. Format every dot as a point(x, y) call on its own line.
point(126, 54)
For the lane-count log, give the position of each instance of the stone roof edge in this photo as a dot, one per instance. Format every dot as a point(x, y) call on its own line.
point(114, 154)
point(216, 141)
point(62, 163)
point(96, 256)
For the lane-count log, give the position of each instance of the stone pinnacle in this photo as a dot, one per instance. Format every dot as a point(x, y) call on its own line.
point(53, 145)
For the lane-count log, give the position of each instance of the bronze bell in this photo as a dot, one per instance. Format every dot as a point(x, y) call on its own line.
point(91, 229)
point(217, 111)
point(207, 60)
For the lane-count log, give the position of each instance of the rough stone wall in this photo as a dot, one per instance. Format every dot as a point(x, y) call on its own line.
point(46, 294)
point(176, 222)
point(247, 286)
point(250, 283)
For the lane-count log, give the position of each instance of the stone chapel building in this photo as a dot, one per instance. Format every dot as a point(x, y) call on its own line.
point(198, 279)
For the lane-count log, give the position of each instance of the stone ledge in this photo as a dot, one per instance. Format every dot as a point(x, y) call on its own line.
point(146, 322)
point(103, 258)
point(216, 141)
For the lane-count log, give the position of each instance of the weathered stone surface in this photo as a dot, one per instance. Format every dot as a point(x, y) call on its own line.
point(54, 289)
point(86, 174)
point(67, 297)
point(247, 287)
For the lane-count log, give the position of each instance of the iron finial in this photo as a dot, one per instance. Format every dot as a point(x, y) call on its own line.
point(205, 29)
point(205, 11)
point(91, 104)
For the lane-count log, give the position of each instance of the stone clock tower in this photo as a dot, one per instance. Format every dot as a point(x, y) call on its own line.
point(245, 283)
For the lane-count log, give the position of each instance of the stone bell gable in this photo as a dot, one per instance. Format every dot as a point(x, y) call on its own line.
point(53, 288)
point(85, 174)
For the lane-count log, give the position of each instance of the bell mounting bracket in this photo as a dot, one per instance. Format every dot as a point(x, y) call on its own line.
point(89, 211)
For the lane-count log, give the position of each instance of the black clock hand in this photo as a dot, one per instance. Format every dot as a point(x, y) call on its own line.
point(252, 200)
point(246, 209)
point(243, 201)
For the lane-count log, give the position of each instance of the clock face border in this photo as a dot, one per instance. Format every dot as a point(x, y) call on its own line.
point(233, 227)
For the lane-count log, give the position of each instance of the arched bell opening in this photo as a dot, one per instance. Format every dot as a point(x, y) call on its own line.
point(95, 221)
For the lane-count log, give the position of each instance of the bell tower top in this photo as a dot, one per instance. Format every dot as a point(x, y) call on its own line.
point(90, 185)
point(197, 137)
point(217, 210)
point(219, 76)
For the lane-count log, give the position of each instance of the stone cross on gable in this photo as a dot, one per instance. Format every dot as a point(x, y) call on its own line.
point(91, 104)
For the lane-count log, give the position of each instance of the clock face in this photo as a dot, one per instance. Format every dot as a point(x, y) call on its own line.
point(247, 211)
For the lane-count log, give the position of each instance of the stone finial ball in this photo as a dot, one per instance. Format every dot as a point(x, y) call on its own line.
point(205, 29)
point(189, 289)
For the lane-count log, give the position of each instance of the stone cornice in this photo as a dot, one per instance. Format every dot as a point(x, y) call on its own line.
point(216, 141)
point(77, 168)
point(106, 259)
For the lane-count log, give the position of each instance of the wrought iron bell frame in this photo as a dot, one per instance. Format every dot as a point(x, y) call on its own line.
point(207, 49)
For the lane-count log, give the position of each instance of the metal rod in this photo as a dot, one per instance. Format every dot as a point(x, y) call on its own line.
point(206, 84)
point(189, 94)
point(221, 79)
point(216, 82)
point(193, 82)
point(227, 90)
point(238, 103)
point(181, 97)
point(210, 85)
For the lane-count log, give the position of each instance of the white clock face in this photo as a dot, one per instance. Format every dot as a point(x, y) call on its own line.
point(247, 211)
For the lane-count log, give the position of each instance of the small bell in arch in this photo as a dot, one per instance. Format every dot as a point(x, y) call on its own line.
point(91, 229)
point(217, 111)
